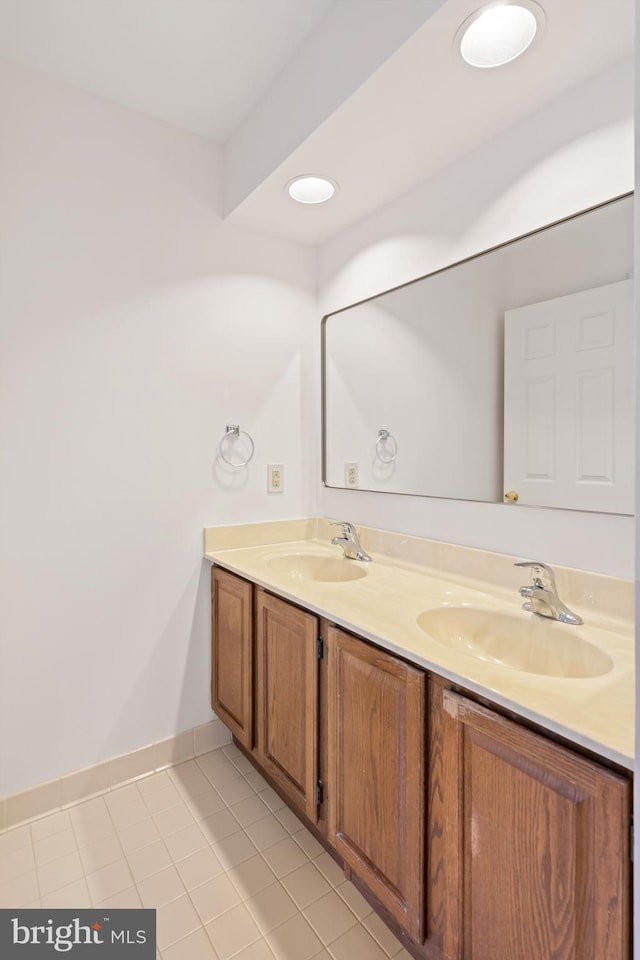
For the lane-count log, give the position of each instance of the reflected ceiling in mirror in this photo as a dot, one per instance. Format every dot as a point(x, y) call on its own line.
point(413, 379)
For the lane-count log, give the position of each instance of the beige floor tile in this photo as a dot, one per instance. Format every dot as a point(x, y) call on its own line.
point(107, 881)
point(161, 888)
point(185, 842)
point(356, 942)
point(146, 861)
point(256, 780)
point(138, 835)
point(251, 877)
point(234, 850)
point(99, 854)
point(249, 810)
point(155, 783)
point(216, 768)
point(199, 867)
point(259, 950)
point(234, 790)
point(354, 900)
point(330, 869)
point(74, 895)
point(16, 862)
point(214, 898)
point(14, 839)
point(91, 829)
point(267, 831)
point(330, 917)
point(54, 846)
point(19, 892)
point(60, 873)
point(189, 779)
point(308, 842)
point(174, 921)
point(288, 819)
point(162, 798)
point(232, 931)
point(173, 819)
point(284, 857)
point(126, 806)
point(47, 826)
point(242, 764)
point(272, 799)
point(271, 907)
point(295, 940)
point(219, 825)
point(128, 899)
point(382, 935)
point(87, 810)
point(205, 804)
point(403, 954)
point(306, 884)
point(196, 946)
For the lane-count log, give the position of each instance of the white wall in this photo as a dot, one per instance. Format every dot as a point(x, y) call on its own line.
point(135, 326)
point(569, 156)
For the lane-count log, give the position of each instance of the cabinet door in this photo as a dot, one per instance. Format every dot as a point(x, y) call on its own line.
point(538, 838)
point(376, 764)
point(287, 704)
point(231, 654)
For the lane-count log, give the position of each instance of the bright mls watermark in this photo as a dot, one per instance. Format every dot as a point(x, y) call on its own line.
point(79, 934)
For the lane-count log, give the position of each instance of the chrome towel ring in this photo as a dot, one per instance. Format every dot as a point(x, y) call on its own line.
point(381, 447)
point(233, 432)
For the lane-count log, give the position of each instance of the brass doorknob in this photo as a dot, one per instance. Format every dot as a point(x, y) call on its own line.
point(511, 496)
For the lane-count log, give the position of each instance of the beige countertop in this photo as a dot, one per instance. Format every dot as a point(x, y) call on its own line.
point(384, 606)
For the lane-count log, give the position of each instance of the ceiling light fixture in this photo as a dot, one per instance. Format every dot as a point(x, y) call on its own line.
point(311, 189)
point(499, 32)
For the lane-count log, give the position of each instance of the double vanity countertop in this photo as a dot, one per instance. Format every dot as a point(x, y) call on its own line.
point(456, 611)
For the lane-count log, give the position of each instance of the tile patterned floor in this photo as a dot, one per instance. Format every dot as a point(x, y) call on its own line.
point(228, 867)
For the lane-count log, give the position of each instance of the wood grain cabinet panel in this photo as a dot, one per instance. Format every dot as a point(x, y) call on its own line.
point(536, 842)
point(287, 698)
point(376, 769)
point(232, 653)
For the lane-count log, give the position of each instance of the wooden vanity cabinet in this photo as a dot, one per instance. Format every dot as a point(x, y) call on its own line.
point(528, 843)
point(475, 837)
point(232, 653)
point(287, 716)
point(376, 707)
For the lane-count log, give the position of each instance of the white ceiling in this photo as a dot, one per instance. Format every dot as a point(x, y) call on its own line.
point(199, 64)
point(232, 70)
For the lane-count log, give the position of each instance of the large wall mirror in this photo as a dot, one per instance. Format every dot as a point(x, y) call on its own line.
point(506, 375)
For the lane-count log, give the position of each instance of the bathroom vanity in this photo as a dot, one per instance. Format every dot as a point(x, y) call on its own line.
point(475, 824)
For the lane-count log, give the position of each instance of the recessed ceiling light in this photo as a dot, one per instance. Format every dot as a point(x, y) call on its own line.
point(311, 189)
point(499, 32)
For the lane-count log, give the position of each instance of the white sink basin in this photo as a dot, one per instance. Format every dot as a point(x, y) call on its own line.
point(308, 566)
point(528, 643)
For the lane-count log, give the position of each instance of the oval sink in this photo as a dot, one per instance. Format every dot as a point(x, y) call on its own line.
point(528, 643)
point(301, 566)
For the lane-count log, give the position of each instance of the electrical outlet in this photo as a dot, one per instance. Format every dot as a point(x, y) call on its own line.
point(275, 478)
point(351, 474)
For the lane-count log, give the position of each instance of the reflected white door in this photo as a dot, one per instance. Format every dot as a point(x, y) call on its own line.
point(569, 401)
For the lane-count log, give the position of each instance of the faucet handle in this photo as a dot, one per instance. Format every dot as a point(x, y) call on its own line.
point(347, 529)
point(538, 571)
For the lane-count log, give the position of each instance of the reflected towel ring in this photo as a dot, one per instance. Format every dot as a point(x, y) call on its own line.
point(383, 436)
point(233, 431)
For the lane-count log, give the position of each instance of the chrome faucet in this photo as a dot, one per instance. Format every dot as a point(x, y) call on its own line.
point(542, 594)
point(349, 541)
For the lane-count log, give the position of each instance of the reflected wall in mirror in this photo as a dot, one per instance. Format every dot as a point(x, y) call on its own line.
point(414, 387)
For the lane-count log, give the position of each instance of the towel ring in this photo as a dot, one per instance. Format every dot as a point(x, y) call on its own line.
point(383, 436)
point(233, 431)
